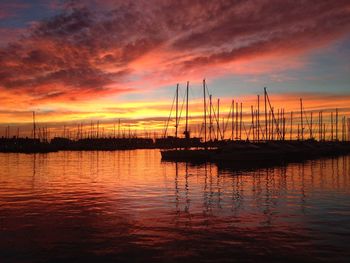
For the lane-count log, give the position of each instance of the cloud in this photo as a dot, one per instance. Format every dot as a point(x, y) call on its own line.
point(100, 48)
point(10, 8)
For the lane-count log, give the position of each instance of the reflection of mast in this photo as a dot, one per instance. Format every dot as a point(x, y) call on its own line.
point(176, 187)
point(187, 208)
point(34, 170)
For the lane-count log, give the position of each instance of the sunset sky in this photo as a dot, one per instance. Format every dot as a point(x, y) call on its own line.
point(77, 61)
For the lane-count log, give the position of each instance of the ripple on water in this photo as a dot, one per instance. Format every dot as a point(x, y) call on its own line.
point(130, 206)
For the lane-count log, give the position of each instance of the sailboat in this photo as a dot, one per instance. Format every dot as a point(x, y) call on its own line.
point(186, 152)
point(171, 142)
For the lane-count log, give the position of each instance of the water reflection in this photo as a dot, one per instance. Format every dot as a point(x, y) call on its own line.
point(130, 206)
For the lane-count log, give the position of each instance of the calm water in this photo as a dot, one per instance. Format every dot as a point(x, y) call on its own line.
point(130, 206)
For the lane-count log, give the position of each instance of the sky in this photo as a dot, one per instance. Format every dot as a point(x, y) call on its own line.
point(80, 61)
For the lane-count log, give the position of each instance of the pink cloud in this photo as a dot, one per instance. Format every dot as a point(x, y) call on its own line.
point(101, 48)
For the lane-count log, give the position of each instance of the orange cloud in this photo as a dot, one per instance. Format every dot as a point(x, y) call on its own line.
point(89, 53)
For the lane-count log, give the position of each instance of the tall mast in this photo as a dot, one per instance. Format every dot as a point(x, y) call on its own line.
point(319, 126)
point(34, 125)
point(218, 126)
point(252, 125)
point(258, 119)
point(119, 128)
point(291, 125)
point(301, 119)
point(240, 124)
point(186, 130)
point(266, 137)
point(232, 121)
point(205, 112)
point(332, 126)
point(311, 135)
point(177, 109)
point(336, 124)
point(237, 120)
point(210, 118)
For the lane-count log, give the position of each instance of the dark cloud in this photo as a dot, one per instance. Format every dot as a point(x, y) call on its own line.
point(89, 48)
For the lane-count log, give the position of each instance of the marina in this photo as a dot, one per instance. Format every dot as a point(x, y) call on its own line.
point(174, 131)
point(269, 136)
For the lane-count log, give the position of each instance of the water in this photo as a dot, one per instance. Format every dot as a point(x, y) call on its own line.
point(129, 206)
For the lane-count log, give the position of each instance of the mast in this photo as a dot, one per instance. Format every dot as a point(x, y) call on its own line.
point(92, 129)
point(331, 126)
point(336, 124)
point(186, 130)
point(258, 119)
point(218, 121)
point(98, 129)
point(319, 127)
point(118, 128)
point(237, 120)
point(301, 119)
point(283, 122)
point(252, 127)
point(266, 137)
point(240, 124)
point(205, 113)
point(34, 126)
point(177, 109)
point(311, 135)
point(291, 125)
point(232, 121)
point(210, 118)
